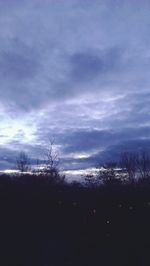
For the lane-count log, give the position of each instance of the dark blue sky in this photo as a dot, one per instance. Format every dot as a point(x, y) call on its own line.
point(77, 71)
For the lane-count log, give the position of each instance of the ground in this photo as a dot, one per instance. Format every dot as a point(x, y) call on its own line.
point(64, 225)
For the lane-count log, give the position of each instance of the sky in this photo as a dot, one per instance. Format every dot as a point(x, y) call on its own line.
point(77, 72)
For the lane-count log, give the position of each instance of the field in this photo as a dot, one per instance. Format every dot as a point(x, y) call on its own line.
point(43, 224)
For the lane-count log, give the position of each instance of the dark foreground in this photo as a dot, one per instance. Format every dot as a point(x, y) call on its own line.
point(60, 225)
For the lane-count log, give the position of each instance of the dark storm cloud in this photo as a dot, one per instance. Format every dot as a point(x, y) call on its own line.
point(18, 65)
point(94, 140)
point(86, 65)
point(38, 65)
point(80, 141)
point(115, 152)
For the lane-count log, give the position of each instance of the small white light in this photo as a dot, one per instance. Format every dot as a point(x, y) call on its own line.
point(130, 208)
point(94, 211)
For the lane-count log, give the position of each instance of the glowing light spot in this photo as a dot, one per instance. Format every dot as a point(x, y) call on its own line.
point(17, 130)
point(81, 156)
point(9, 171)
point(94, 211)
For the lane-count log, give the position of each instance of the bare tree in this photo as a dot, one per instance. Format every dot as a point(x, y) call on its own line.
point(143, 164)
point(23, 162)
point(51, 168)
point(52, 160)
point(129, 163)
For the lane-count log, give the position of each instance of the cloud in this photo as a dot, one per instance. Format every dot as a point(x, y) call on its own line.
point(74, 70)
point(87, 65)
point(18, 65)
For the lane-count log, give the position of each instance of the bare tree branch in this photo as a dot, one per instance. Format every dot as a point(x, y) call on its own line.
point(23, 162)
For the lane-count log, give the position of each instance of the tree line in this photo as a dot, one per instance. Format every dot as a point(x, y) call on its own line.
point(130, 168)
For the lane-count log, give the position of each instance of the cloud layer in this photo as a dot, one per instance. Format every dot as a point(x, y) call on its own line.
point(78, 72)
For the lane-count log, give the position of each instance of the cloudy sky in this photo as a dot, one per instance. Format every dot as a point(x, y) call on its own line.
point(78, 72)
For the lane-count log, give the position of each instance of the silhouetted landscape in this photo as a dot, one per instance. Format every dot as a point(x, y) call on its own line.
point(55, 223)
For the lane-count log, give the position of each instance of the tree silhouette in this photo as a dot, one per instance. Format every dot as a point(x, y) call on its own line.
point(23, 162)
point(143, 164)
point(51, 168)
point(128, 162)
